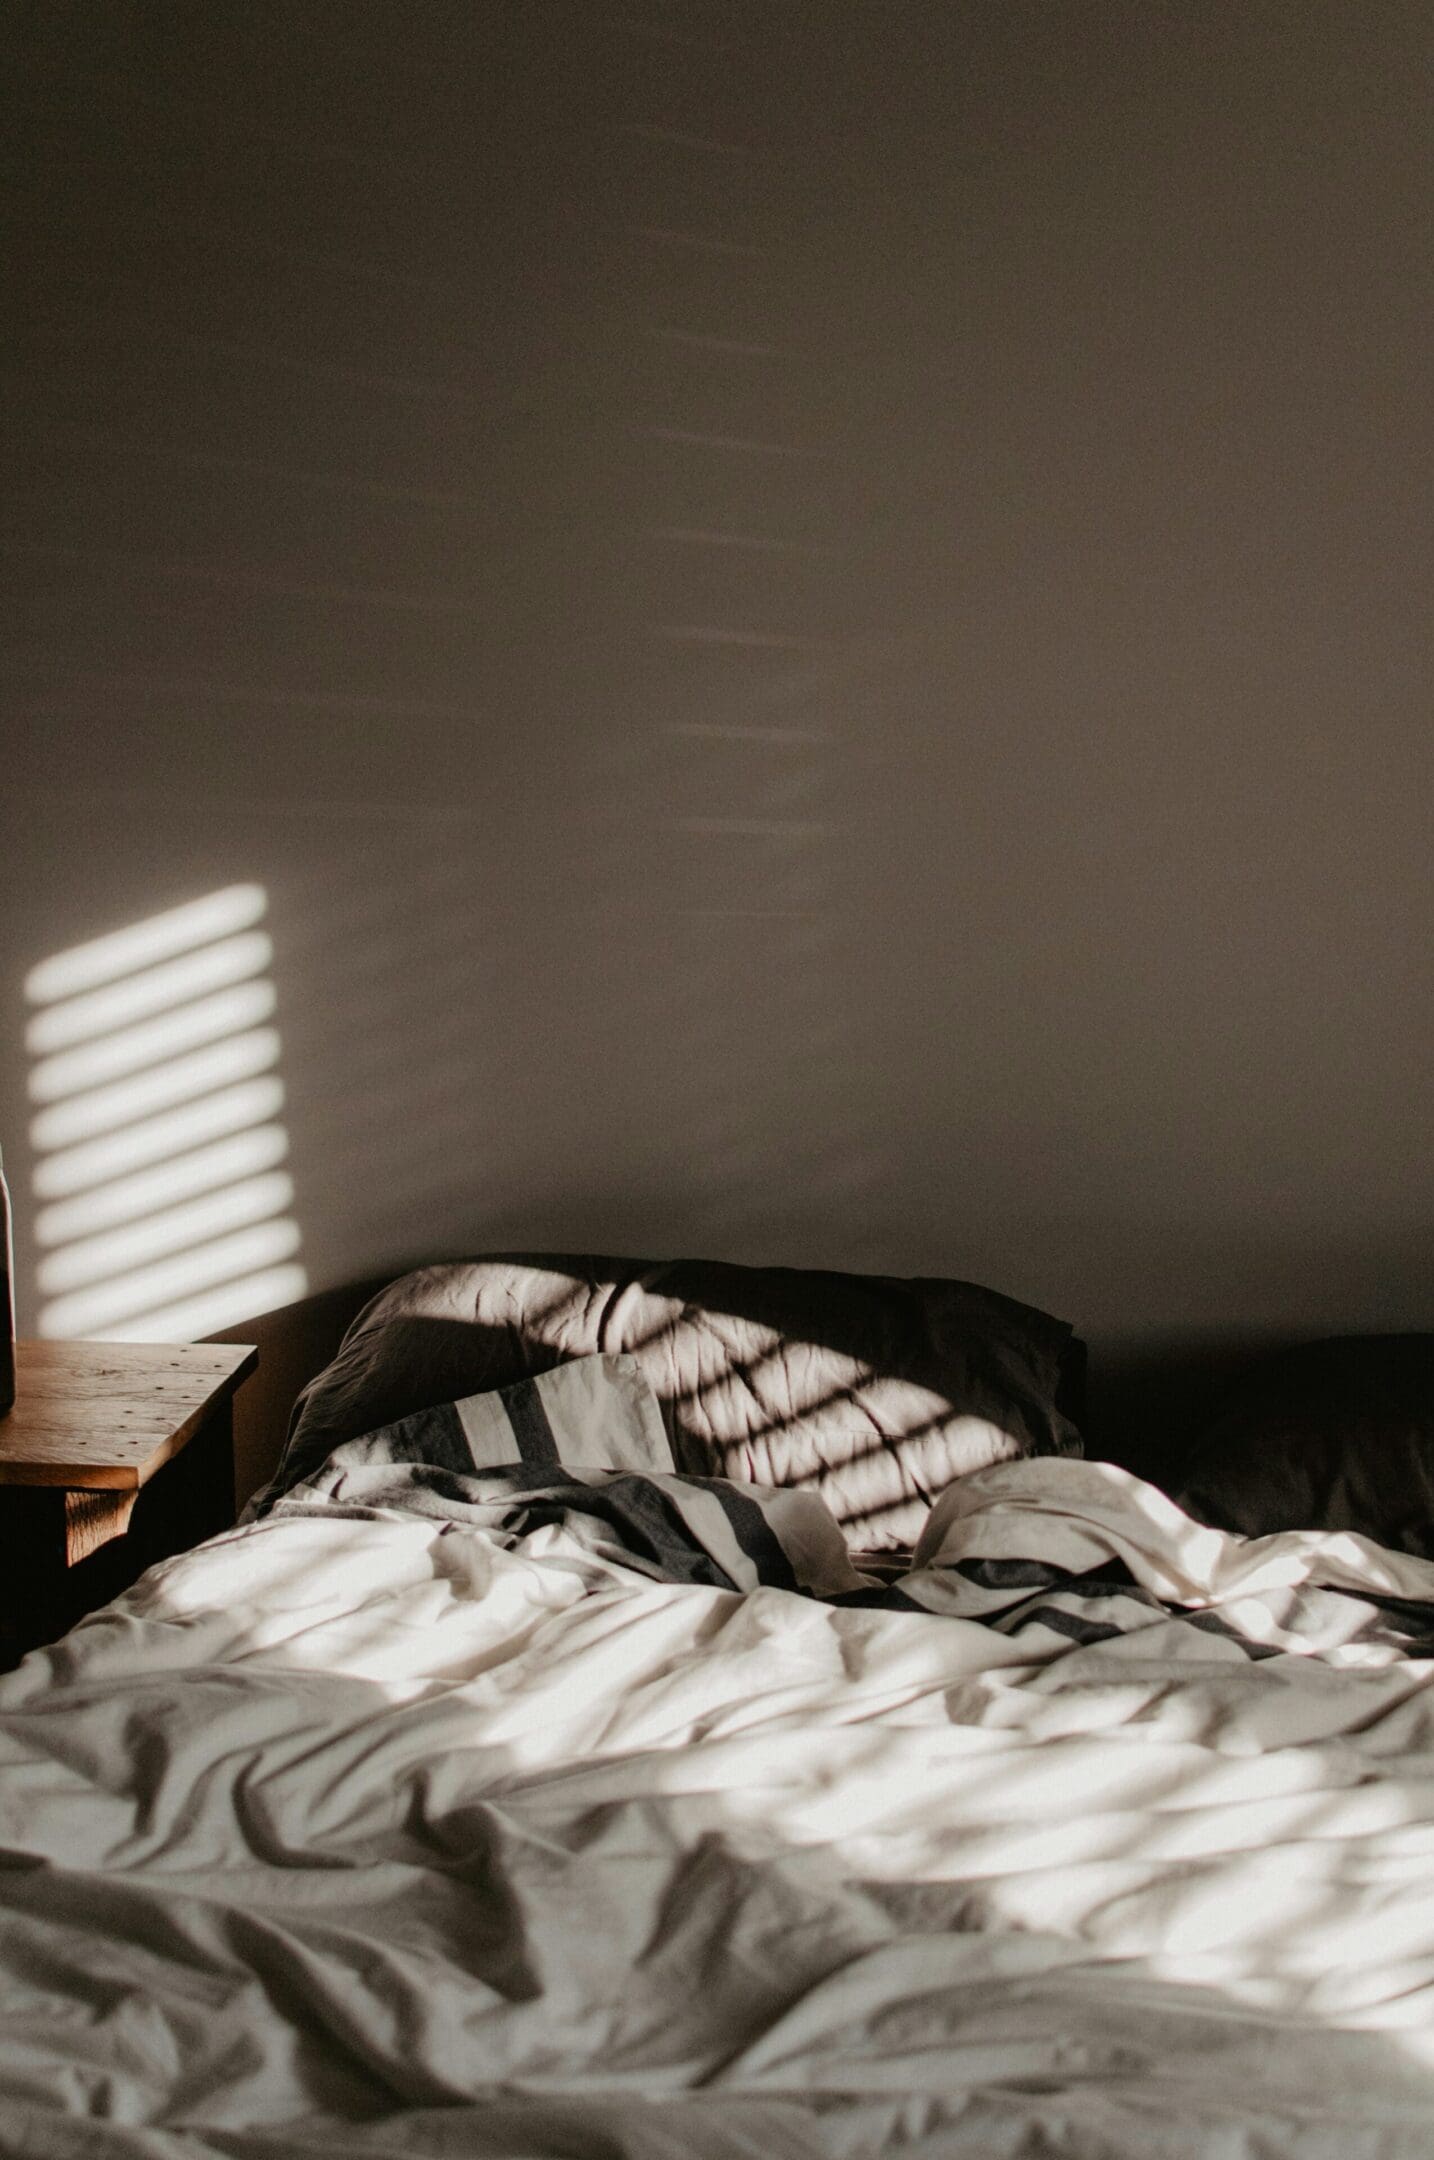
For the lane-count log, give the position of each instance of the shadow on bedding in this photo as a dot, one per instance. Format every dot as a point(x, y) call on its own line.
point(361, 1827)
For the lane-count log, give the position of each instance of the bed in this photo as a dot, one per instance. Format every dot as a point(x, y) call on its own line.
point(514, 1782)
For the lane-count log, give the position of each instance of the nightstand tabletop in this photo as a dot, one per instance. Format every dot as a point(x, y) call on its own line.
point(103, 1417)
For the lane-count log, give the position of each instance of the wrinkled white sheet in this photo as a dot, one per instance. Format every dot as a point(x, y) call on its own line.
point(364, 1837)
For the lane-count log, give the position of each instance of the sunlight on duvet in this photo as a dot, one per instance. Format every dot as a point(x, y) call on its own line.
point(165, 1212)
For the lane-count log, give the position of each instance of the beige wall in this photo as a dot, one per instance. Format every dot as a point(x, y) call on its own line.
point(814, 617)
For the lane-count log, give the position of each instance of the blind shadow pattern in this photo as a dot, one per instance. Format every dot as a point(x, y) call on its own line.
point(163, 1207)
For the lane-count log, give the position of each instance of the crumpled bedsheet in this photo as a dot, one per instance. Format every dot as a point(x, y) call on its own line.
point(358, 1833)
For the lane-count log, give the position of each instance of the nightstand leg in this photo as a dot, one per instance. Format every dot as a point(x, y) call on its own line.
point(219, 1468)
point(92, 1519)
point(201, 1482)
point(48, 1539)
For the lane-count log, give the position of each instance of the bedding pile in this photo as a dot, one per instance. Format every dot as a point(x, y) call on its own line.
point(454, 1811)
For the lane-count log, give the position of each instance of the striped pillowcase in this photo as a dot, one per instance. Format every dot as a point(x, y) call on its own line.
point(595, 1423)
point(757, 1534)
point(597, 1413)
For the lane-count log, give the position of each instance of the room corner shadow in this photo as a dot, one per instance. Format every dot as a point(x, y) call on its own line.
point(1147, 1403)
point(294, 1342)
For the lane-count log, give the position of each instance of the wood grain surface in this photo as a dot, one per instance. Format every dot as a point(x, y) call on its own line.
point(105, 1416)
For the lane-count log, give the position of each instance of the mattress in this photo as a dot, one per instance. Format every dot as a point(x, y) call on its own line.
point(418, 1819)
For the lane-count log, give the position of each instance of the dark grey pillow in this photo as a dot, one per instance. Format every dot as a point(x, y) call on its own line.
point(1335, 1435)
point(871, 1390)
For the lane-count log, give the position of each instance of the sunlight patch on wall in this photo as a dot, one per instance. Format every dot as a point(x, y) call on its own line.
point(162, 1208)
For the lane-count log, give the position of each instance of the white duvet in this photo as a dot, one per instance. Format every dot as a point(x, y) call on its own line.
point(366, 1837)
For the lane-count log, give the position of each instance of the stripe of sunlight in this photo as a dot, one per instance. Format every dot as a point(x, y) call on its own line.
point(228, 1012)
point(146, 1290)
point(156, 1141)
point(87, 1116)
point(231, 1110)
point(118, 1252)
point(125, 1199)
point(99, 1012)
point(225, 1307)
point(140, 945)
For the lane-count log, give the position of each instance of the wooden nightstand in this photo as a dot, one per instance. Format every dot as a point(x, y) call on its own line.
point(115, 1455)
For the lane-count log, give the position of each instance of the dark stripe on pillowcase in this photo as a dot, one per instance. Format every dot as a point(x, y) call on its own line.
point(991, 1574)
point(1215, 1624)
point(1080, 1629)
point(529, 1420)
point(1074, 1626)
point(648, 1523)
point(881, 1597)
point(431, 1436)
point(753, 1532)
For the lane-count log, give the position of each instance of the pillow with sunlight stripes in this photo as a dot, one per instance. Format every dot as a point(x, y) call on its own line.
point(872, 1391)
